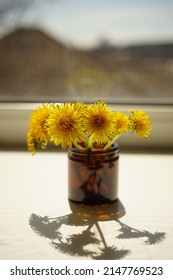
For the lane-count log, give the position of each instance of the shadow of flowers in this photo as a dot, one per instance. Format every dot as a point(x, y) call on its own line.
point(89, 242)
point(129, 232)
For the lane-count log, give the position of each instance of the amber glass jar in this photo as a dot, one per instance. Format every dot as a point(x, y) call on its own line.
point(93, 176)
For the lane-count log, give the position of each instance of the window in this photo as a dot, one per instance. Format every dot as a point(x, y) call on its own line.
point(120, 52)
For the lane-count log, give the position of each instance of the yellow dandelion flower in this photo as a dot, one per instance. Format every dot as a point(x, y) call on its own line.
point(121, 122)
point(98, 123)
point(140, 122)
point(121, 125)
point(38, 123)
point(65, 125)
point(31, 143)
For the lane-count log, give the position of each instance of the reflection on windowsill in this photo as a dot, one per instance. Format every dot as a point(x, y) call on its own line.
point(79, 233)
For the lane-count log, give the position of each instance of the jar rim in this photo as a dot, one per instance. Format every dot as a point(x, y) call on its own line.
point(114, 147)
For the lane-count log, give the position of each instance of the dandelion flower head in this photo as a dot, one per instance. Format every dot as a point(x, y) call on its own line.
point(37, 134)
point(98, 122)
point(65, 124)
point(38, 122)
point(140, 122)
point(121, 122)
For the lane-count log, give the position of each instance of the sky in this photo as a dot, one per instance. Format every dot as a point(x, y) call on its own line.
point(86, 23)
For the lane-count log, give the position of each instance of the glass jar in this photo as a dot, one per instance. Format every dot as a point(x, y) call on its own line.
point(93, 175)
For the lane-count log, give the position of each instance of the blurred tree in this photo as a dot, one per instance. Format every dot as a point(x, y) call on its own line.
point(11, 11)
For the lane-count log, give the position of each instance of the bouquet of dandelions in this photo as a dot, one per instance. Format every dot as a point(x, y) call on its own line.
point(82, 126)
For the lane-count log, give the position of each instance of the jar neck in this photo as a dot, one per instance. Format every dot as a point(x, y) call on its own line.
point(94, 155)
point(113, 148)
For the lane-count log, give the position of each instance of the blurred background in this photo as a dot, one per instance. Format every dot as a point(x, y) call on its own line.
point(60, 50)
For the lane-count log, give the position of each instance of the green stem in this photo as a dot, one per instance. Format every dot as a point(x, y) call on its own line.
point(109, 144)
point(90, 142)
